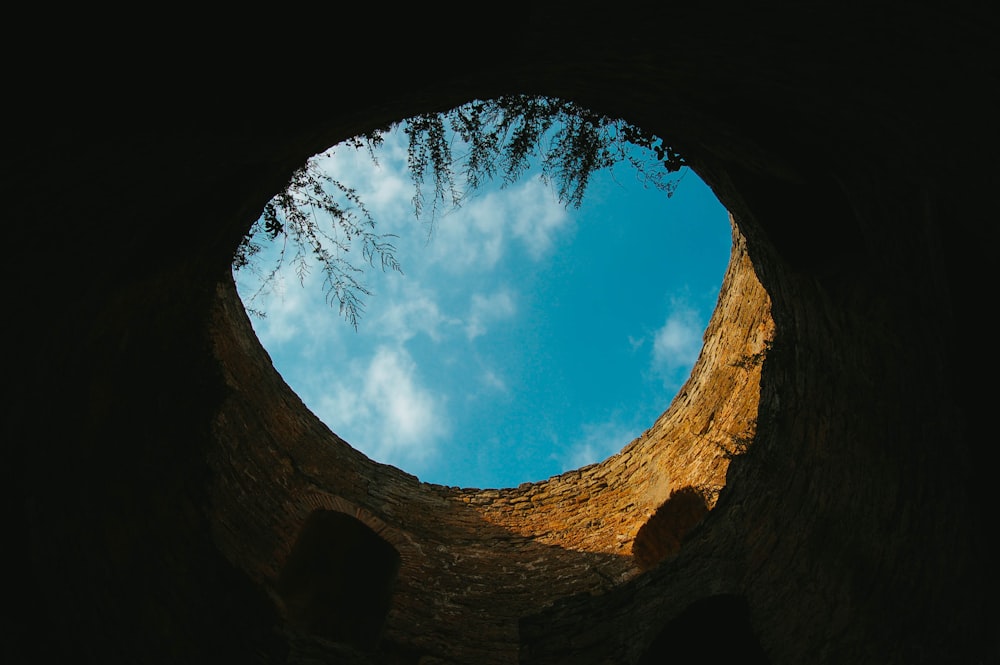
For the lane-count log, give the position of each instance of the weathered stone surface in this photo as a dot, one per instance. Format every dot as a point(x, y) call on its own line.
point(476, 561)
point(159, 474)
point(663, 534)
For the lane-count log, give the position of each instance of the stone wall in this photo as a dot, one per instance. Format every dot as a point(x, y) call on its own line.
point(158, 478)
point(477, 560)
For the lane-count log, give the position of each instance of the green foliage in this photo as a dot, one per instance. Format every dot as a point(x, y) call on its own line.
point(294, 217)
point(499, 138)
point(750, 361)
point(502, 136)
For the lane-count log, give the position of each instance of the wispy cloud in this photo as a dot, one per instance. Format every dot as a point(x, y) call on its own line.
point(383, 184)
point(492, 380)
point(471, 238)
point(385, 411)
point(539, 217)
point(297, 316)
point(488, 308)
point(476, 236)
point(677, 343)
point(409, 309)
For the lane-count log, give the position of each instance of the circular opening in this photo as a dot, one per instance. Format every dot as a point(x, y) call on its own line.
point(523, 337)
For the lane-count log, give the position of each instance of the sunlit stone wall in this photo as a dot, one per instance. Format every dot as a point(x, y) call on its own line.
point(478, 559)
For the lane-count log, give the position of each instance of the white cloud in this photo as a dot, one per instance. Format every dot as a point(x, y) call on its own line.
point(409, 410)
point(537, 217)
point(488, 308)
point(298, 318)
point(678, 342)
point(475, 236)
point(406, 310)
point(382, 184)
point(471, 237)
point(383, 410)
point(492, 380)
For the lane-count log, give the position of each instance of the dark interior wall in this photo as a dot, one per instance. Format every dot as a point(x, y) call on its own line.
point(855, 150)
point(338, 580)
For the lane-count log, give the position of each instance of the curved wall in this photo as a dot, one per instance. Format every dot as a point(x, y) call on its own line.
point(475, 561)
point(158, 476)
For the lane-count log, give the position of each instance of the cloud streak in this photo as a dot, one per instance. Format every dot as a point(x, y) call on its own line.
point(677, 343)
point(476, 236)
point(485, 309)
point(384, 410)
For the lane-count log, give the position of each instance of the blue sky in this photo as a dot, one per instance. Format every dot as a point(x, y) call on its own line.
point(522, 340)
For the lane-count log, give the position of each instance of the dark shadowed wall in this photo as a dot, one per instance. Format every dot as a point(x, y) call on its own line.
point(856, 153)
